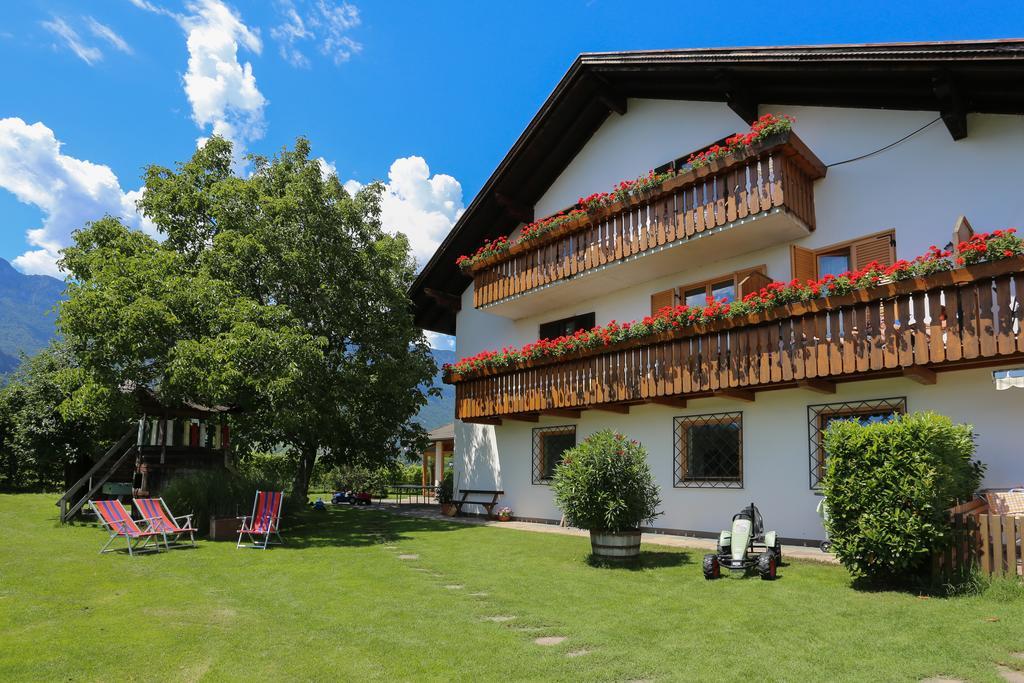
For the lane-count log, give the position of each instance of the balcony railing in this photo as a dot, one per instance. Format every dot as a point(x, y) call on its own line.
point(963, 318)
point(775, 177)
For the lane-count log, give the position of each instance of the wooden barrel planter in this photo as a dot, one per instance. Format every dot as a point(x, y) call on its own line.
point(615, 545)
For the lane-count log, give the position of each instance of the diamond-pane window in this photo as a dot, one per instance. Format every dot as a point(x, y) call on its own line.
point(709, 451)
point(549, 443)
point(819, 417)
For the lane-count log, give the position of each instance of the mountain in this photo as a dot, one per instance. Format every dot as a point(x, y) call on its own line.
point(440, 410)
point(27, 324)
point(26, 313)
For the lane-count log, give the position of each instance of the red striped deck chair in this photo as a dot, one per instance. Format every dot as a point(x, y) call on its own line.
point(264, 521)
point(161, 519)
point(119, 524)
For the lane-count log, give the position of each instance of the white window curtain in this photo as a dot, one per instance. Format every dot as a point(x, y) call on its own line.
point(1006, 379)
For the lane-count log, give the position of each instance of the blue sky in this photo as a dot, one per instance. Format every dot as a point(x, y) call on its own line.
point(95, 90)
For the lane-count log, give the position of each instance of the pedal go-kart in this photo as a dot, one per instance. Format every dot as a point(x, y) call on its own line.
point(746, 546)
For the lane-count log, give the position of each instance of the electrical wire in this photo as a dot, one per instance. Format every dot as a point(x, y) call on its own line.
point(889, 146)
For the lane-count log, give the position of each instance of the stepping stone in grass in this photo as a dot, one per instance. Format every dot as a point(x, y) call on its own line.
point(1011, 675)
point(408, 557)
point(454, 587)
point(940, 679)
point(577, 653)
point(499, 617)
point(478, 595)
point(1017, 655)
point(549, 640)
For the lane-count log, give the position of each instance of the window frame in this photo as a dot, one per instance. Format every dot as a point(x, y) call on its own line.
point(819, 413)
point(846, 248)
point(679, 457)
point(579, 322)
point(539, 434)
point(737, 278)
point(708, 283)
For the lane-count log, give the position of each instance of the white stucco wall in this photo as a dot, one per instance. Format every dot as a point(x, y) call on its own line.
point(919, 188)
point(776, 452)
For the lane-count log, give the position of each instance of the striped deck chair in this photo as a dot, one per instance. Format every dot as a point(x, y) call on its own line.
point(161, 519)
point(119, 524)
point(264, 521)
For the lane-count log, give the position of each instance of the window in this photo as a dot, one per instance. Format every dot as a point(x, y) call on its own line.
point(566, 326)
point(549, 443)
point(812, 264)
point(730, 287)
point(709, 451)
point(819, 417)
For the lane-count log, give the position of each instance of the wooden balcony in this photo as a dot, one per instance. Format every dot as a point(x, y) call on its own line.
point(744, 203)
point(959, 319)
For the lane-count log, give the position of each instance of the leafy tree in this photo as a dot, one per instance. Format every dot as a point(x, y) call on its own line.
point(53, 418)
point(278, 292)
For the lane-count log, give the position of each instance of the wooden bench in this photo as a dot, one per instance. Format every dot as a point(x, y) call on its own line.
point(483, 493)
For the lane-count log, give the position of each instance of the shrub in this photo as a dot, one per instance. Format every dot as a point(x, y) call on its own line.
point(446, 491)
point(605, 484)
point(888, 486)
point(218, 494)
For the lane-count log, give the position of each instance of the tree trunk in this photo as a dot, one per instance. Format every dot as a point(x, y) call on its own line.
point(304, 474)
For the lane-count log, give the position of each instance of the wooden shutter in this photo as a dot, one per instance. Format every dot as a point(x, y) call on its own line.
point(750, 281)
point(805, 263)
point(661, 299)
point(879, 248)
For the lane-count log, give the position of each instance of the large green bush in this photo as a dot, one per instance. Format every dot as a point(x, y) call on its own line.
point(218, 493)
point(887, 488)
point(605, 484)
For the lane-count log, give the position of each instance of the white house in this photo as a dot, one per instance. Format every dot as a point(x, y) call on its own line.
point(892, 144)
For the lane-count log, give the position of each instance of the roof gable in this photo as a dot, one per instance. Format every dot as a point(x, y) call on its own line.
point(952, 78)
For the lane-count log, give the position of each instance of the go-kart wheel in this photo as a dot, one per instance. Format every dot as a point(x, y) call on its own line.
point(826, 546)
point(766, 565)
point(778, 553)
point(712, 570)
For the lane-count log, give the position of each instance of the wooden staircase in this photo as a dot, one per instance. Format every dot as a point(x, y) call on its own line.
point(117, 464)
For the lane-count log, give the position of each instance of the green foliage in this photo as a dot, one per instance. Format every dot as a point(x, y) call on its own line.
point(208, 494)
point(888, 486)
point(605, 484)
point(279, 467)
point(53, 419)
point(446, 491)
point(278, 292)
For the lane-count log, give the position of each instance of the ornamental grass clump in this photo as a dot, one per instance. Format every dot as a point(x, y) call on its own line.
point(888, 486)
point(604, 484)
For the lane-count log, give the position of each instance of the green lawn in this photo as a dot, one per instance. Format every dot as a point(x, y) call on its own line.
point(339, 602)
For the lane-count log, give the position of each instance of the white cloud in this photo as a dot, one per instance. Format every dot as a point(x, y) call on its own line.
point(289, 33)
point(221, 89)
point(422, 206)
point(69, 191)
point(88, 54)
point(327, 168)
point(325, 23)
point(436, 340)
point(106, 33)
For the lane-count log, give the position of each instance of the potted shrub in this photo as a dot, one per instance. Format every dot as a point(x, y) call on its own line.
point(604, 485)
point(504, 514)
point(446, 494)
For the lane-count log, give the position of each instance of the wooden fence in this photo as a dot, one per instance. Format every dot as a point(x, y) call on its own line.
point(962, 317)
point(760, 184)
point(990, 543)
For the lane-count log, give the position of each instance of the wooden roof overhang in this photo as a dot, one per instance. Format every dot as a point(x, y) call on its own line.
point(950, 78)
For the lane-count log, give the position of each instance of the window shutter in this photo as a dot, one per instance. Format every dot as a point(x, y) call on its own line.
point(876, 248)
point(805, 263)
point(751, 281)
point(661, 299)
